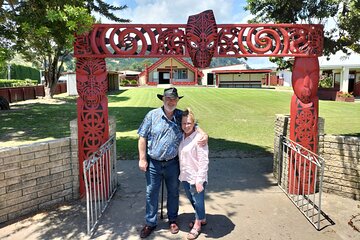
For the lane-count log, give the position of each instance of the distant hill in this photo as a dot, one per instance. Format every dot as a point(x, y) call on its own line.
point(138, 64)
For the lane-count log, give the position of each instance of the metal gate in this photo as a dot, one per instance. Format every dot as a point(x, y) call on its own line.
point(300, 176)
point(100, 182)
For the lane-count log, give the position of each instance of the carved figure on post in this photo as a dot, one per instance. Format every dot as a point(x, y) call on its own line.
point(92, 106)
point(304, 123)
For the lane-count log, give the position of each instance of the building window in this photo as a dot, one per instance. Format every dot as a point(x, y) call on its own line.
point(180, 74)
point(166, 75)
point(337, 78)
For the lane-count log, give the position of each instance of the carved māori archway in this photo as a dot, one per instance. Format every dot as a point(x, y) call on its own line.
point(200, 39)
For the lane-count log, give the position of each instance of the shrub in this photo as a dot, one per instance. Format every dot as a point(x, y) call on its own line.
point(124, 82)
point(344, 94)
point(133, 82)
point(17, 83)
point(325, 81)
point(127, 82)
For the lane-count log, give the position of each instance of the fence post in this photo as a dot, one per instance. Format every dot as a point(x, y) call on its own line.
point(280, 158)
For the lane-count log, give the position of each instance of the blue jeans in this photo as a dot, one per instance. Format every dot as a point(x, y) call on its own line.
point(158, 170)
point(197, 200)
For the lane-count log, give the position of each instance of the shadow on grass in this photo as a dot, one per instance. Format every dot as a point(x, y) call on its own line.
point(127, 149)
point(35, 121)
point(114, 96)
point(50, 118)
point(128, 118)
point(351, 135)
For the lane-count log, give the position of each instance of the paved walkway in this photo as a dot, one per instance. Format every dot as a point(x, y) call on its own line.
point(243, 202)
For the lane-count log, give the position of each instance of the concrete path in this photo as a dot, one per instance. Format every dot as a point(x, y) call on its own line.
point(243, 202)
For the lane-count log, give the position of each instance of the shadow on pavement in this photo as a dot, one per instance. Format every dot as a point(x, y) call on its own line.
point(218, 225)
point(243, 201)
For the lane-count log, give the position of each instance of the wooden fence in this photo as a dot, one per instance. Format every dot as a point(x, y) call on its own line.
point(16, 94)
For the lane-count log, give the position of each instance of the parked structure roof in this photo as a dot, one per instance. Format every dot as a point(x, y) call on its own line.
point(340, 59)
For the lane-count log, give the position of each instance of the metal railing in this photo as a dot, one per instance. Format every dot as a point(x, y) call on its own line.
point(300, 178)
point(100, 182)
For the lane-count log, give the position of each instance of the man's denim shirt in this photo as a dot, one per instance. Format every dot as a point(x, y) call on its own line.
point(163, 135)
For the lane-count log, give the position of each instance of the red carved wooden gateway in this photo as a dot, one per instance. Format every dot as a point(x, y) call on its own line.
point(200, 39)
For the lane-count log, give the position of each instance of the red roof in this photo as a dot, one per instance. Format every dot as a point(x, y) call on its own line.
point(161, 60)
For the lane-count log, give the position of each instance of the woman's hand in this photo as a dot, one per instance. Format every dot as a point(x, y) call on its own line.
point(199, 187)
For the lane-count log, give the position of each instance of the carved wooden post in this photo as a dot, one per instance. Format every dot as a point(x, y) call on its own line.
point(304, 121)
point(200, 39)
point(92, 108)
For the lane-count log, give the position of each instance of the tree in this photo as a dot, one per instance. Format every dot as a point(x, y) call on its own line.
point(349, 20)
point(344, 34)
point(46, 29)
point(105, 9)
point(7, 34)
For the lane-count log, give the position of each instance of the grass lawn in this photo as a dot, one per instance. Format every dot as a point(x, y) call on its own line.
point(235, 119)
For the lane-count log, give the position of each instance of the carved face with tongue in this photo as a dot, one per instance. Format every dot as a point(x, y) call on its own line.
point(201, 38)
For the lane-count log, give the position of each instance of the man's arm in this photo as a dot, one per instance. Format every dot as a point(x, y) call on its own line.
point(142, 154)
point(204, 137)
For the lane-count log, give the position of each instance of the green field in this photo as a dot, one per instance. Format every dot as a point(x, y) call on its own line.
point(235, 119)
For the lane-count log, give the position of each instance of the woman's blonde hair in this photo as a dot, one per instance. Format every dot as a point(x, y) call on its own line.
point(189, 113)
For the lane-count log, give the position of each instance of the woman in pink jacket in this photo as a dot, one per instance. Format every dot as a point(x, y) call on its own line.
point(194, 163)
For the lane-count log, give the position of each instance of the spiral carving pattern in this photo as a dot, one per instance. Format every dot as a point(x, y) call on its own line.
point(235, 40)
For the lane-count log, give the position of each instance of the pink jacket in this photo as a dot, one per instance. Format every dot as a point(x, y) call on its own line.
point(194, 160)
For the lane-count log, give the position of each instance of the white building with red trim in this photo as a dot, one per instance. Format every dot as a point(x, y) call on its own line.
point(236, 76)
point(170, 70)
point(177, 71)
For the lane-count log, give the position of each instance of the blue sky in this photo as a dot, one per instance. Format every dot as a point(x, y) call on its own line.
point(177, 11)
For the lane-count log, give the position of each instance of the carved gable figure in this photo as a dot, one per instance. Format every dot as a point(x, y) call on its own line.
point(201, 38)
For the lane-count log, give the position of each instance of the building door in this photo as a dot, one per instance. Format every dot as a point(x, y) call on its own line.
point(210, 79)
point(164, 77)
point(351, 82)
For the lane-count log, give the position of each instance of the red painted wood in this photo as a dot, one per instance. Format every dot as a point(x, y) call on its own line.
point(233, 40)
point(92, 108)
point(304, 121)
point(201, 39)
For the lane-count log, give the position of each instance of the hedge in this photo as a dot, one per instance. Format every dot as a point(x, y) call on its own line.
point(21, 72)
point(17, 83)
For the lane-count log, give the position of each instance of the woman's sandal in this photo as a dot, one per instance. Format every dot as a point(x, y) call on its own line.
point(203, 223)
point(193, 234)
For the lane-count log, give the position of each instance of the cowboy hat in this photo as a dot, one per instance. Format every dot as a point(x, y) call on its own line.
point(169, 92)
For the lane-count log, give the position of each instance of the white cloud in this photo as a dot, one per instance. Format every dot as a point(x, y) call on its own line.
point(161, 11)
point(177, 12)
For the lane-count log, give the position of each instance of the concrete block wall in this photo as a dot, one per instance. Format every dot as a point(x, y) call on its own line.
point(40, 175)
point(341, 155)
point(282, 127)
point(342, 165)
point(34, 177)
point(74, 155)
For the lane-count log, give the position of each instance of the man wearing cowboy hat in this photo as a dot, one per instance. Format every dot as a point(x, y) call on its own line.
point(159, 138)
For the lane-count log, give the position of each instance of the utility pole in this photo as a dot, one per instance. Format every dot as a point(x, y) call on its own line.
point(9, 71)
